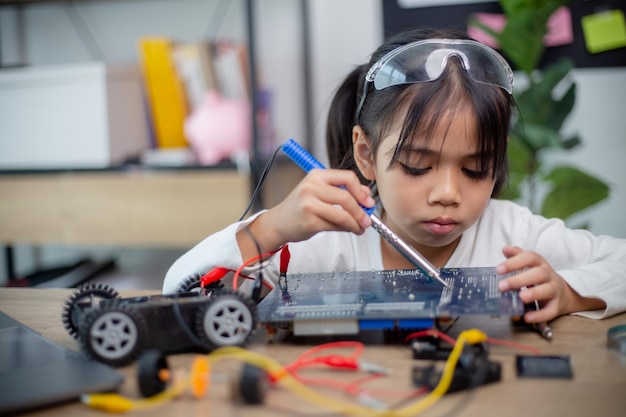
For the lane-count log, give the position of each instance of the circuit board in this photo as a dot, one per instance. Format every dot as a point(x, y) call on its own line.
point(389, 294)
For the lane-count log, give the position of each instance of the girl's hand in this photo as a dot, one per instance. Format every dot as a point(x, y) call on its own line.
point(324, 200)
point(543, 284)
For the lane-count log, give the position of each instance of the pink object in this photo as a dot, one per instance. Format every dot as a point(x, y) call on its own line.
point(494, 21)
point(559, 28)
point(219, 128)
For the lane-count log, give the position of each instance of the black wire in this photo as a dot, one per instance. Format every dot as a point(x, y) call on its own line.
point(183, 325)
point(447, 329)
point(258, 282)
point(256, 242)
point(260, 183)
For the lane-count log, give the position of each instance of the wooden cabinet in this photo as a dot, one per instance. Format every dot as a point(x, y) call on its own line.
point(146, 207)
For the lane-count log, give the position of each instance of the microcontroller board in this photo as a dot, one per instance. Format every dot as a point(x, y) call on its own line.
point(347, 302)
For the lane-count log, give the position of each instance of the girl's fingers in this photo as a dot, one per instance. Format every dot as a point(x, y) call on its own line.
point(545, 314)
point(340, 188)
point(510, 251)
point(324, 200)
point(531, 270)
point(537, 292)
point(518, 260)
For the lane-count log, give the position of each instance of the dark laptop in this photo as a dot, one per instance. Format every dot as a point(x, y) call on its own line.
point(36, 372)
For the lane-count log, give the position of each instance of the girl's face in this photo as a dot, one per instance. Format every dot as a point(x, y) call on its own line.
point(435, 192)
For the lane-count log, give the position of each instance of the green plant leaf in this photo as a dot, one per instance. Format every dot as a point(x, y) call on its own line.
point(522, 38)
point(571, 142)
point(512, 7)
point(519, 162)
point(537, 103)
point(562, 108)
point(538, 137)
point(513, 189)
point(542, 114)
point(552, 74)
point(519, 156)
point(572, 191)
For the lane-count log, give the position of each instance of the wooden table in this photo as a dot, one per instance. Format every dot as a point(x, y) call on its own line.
point(598, 388)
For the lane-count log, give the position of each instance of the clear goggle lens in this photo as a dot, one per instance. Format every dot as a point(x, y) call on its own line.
point(426, 60)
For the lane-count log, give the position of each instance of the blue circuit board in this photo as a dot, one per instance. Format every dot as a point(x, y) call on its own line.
point(390, 294)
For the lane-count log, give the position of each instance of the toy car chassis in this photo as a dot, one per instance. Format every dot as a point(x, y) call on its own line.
point(116, 330)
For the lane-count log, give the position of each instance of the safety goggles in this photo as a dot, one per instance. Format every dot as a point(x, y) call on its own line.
point(424, 61)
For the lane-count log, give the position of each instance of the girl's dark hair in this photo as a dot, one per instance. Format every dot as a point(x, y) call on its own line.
point(492, 107)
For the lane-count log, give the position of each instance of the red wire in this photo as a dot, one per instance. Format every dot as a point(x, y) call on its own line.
point(430, 332)
point(246, 263)
point(350, 362)
point(513, 344)
point(218, 273)
point(450, 340)
point(268, 286)
point(358, 348)
point(354, 388)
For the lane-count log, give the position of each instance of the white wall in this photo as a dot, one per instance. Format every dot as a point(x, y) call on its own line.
point(599, 118)
point(343, 34)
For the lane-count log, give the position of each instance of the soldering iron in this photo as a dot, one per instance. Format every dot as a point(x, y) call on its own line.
point(307, 162)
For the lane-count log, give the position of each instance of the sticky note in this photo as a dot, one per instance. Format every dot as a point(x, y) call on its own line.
point(559, 28)
point(604, 31)
point(494, 21)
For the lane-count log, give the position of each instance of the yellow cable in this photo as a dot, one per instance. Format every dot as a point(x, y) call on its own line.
point(269, 365)
point(115, 403)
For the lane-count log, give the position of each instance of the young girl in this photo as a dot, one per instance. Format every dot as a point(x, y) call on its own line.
point(424, 124)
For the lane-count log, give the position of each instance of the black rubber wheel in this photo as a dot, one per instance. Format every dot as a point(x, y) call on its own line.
point(113, 335)
point(254, 384)
point(192, 283)
point(226, 319)
point(149, 367)
point(86, 296)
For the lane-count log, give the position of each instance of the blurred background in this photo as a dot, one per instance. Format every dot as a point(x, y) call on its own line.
point(96, 71)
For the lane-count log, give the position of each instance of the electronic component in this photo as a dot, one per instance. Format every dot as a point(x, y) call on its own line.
point(429, 348)
point(616, 338)
point(543, 366)
point(386, 299)
point(473, 369)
